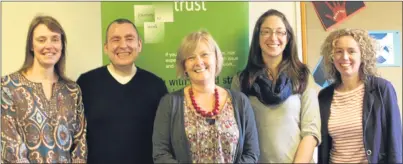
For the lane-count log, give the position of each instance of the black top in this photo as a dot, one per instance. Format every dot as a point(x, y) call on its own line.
point(120, 117)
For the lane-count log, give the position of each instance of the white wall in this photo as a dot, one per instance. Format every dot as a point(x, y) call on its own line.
point(80, 20)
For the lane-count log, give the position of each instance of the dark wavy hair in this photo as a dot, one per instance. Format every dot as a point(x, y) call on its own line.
point(290, 64)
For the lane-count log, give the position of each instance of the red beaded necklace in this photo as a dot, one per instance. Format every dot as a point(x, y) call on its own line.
point(202, 112)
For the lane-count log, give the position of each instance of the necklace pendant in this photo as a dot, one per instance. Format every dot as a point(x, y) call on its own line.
point(210, 121)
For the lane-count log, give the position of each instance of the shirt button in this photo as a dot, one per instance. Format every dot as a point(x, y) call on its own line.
point(369, 152)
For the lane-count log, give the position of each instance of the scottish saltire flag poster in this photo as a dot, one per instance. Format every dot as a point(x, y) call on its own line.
point(389, 48)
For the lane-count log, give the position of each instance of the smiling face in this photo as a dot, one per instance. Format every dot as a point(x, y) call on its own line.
point(347, 56)
point(123, 44)
point(273, 36)
point(201, 65)
point(46, 46)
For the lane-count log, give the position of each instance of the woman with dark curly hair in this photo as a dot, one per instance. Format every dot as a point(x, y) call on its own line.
point(359, 112)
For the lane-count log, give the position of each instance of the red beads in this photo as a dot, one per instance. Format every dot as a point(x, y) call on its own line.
point(202, 112)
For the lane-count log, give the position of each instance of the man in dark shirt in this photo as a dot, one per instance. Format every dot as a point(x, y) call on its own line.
point(120, 101)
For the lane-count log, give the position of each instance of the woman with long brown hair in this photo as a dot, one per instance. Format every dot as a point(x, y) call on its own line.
point(42, 117)
point(282, 93)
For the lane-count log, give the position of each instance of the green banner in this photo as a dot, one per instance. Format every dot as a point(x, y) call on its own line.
point(163, 25)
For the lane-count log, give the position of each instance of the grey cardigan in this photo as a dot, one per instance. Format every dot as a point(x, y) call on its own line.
point(170, 144)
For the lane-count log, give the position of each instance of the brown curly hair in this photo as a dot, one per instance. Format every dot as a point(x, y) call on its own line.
point(368, 47)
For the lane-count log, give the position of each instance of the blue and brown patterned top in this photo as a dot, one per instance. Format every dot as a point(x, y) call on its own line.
point(35, 129)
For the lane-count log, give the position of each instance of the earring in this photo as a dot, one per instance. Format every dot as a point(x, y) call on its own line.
point(186, 74)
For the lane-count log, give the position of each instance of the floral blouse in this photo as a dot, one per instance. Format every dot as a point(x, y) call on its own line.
point(212, 141)
point(39, 130)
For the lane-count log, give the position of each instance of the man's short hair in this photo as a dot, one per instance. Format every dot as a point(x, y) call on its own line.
point(121, 21)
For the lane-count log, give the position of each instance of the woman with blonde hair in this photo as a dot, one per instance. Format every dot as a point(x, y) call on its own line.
point(42, 115)
point(203, 122)
point(359, 112)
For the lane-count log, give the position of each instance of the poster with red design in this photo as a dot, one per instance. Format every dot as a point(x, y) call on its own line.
point(332, 13)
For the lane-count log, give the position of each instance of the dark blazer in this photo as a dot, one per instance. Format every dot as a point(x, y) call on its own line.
point(170, 144)
point(382, 126)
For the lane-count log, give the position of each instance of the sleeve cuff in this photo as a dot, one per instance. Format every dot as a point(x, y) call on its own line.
point(23, 160)
point(318, 139)
point(78, 161)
